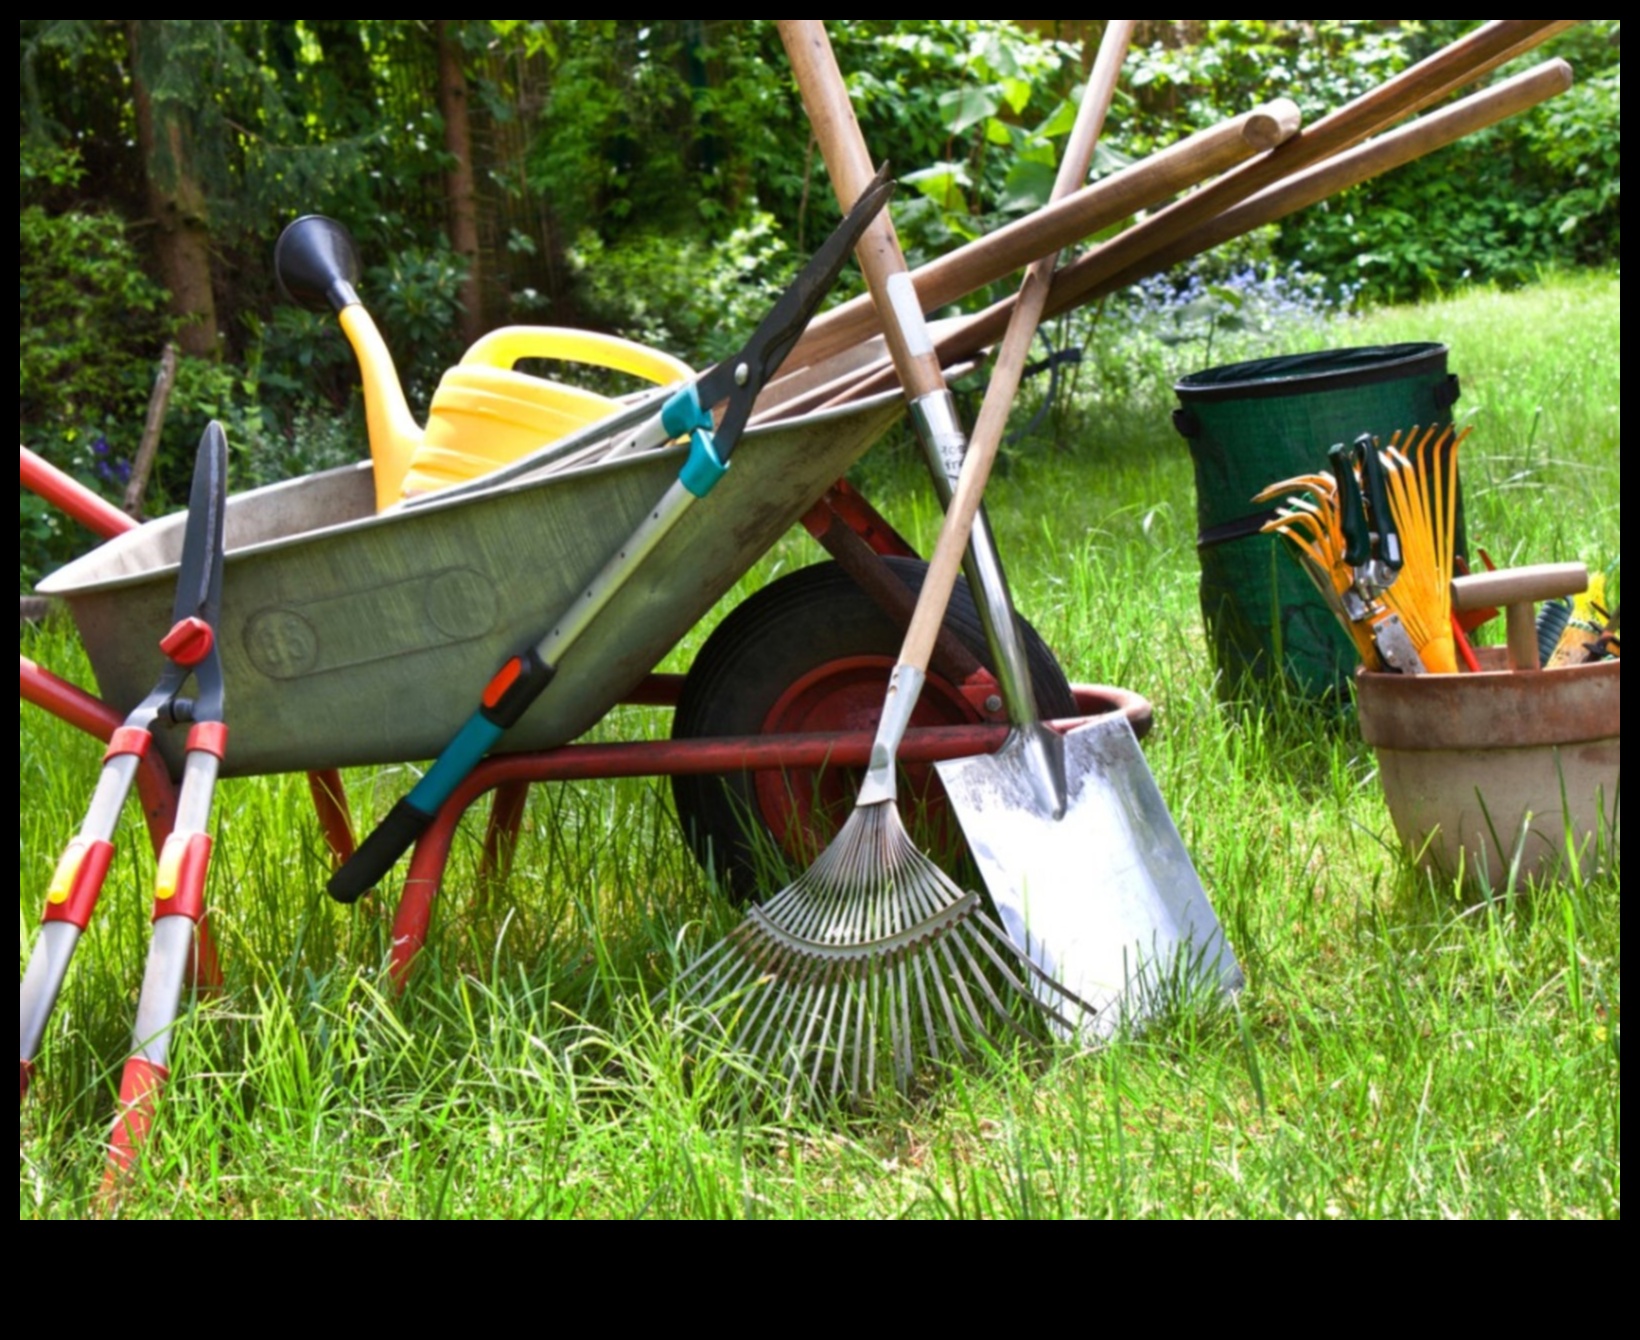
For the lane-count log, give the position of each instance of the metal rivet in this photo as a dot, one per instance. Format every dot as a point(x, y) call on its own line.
point(743, 374)
point(993, 703)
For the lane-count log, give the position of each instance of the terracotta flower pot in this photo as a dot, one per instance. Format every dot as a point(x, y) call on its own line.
point(1480, 770)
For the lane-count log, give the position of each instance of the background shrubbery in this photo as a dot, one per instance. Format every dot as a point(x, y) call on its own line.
point(656, 177)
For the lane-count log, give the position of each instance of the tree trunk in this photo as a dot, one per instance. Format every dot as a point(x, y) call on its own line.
point(181, 217)
point(459, 191)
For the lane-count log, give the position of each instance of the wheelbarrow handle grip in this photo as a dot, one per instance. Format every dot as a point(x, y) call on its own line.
point(378, 853)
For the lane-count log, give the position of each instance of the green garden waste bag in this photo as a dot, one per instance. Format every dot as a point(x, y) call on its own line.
point(1251, 424)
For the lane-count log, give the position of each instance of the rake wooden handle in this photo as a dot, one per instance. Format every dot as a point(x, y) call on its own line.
point(825, 97)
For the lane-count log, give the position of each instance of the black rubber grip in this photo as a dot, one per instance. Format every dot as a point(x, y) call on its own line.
point(378, 853)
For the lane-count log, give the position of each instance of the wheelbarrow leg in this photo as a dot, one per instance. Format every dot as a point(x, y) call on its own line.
point(501, 836)
point(421, 886)
point(335, 820)
point(179, 905)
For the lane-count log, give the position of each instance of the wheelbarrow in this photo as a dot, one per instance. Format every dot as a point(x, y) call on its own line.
point(350, 635)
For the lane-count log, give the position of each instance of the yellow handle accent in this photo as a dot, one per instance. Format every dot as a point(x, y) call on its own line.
point(170, 866)
point(504, 347)
point(68, 868)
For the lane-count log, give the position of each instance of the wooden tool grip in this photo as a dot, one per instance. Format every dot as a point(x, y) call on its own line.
point(1516, 589)
point(1512, 586)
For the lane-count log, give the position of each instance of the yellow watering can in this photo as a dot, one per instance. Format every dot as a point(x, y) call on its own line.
point(484, 413)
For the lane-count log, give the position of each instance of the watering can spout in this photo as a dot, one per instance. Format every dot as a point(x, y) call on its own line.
point(317, 265)
point(395, 436)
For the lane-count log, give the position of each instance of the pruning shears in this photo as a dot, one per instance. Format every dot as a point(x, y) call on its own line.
point(190, 649)
point(1372, 549)
point(735, 382)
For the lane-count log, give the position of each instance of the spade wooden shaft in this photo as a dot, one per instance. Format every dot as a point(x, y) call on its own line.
point(848, 162)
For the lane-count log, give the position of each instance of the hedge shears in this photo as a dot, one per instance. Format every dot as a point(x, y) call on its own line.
point(687, 413)
point(1372, 550)
point(191, 653)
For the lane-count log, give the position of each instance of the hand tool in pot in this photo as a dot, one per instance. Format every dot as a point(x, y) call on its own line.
point(1372, 549)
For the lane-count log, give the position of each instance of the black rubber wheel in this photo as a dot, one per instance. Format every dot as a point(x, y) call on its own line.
point(812, 652)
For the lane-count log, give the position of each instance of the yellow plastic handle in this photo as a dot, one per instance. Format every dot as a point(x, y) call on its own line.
point(504, 347)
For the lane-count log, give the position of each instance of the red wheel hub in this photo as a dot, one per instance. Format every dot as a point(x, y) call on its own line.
point(804, 809)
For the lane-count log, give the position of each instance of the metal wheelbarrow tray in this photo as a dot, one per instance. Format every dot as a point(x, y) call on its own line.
point(354, 638)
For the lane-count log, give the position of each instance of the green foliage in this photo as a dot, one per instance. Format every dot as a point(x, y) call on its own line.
point(90, 330)
point(690, 295)
point(415, 297)
point(1541, 189)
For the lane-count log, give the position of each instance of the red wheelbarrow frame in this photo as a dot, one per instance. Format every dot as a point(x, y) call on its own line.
point(843, 522)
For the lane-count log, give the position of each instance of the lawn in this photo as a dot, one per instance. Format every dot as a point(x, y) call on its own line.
point(1403, 1048)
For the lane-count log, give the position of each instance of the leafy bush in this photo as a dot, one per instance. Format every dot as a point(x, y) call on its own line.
point(89, 331)
point(693, 296)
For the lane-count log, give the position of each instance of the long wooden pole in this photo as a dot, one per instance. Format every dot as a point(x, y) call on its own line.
point(1079, 214)
point(1106, 270)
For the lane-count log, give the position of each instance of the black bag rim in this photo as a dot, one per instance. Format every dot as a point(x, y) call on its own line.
point(1305, 374)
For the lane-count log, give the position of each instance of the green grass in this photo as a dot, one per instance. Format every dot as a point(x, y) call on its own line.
point(1401, 1049)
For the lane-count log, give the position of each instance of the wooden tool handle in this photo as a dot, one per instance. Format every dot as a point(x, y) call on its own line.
point(1511, 586)
point(1516, 589)
point(825, 97)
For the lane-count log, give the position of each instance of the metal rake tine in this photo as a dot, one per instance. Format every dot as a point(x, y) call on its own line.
point(939, 975)
point(823, 993)
point(773, 992)
point(860, 995)
point(1033, 969)
point(720, 952)
point(874, 1011)
point(967, 934)
point(738, 970)
point(918, 973)
point(794, 992)
point(952, 977)
point(903, 1018)
point(840, 1047)
point(960, 981)
point(1003, 965)
point(836, 993)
